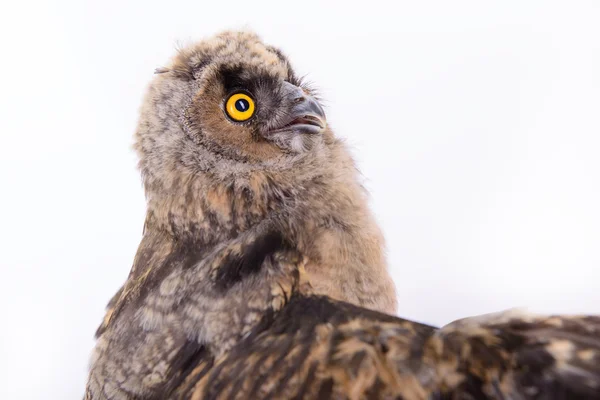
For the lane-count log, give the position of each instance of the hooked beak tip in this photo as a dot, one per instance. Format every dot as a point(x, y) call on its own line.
point(307, 115)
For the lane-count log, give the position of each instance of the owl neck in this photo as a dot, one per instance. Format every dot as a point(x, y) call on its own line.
point(206, 209)
point(213, 197)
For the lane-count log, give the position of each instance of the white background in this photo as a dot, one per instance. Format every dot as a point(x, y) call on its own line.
point(476, 125)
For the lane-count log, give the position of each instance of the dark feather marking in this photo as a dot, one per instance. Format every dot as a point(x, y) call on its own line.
point(296, 364)
point(536, 358)
point(283, 349)
point(238, 374)
point(233, 78)
point(472, 387)
point(337, 338)
point(488, 357)
point(263, 376)
point(197, 376)
point(238, 378)
point(374, 391)
point(184, 255)
point(236, 267)
point(326, 389)
point(307, 381)
point(302, 312)
point(187, 358)
point(215, 376)
point(356, 362)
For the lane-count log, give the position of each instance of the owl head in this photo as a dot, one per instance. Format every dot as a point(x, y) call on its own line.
point(224, 106)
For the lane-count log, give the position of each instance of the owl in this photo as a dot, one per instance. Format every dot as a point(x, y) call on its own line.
point(261, 271)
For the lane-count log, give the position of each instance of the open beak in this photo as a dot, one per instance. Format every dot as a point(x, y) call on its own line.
point(306, 116)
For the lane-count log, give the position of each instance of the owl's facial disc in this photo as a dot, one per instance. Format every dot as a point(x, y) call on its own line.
point(306, 115)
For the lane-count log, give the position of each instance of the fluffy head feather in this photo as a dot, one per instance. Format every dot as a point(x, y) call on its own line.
point(183, 129)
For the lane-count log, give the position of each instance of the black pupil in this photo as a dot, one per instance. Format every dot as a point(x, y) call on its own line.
point(242, 105)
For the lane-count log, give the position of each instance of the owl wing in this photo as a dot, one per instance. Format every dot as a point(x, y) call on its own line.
point(513, 355)
point(183, 305)
point(319, 348)
point(316, 347)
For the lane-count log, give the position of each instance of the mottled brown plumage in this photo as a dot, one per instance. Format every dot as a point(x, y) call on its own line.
point(261, 271)
point(319, 348)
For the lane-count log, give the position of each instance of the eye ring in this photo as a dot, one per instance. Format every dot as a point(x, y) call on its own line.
point(240, 106)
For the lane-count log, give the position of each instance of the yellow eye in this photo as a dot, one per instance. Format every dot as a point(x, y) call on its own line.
point(239, 107)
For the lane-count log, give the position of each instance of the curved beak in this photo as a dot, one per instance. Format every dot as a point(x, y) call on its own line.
point(306, 116)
